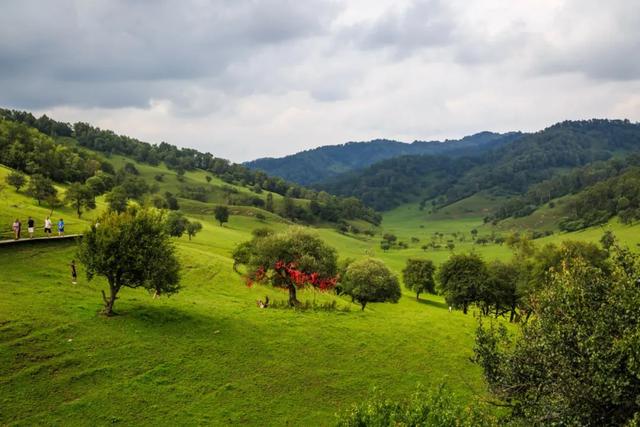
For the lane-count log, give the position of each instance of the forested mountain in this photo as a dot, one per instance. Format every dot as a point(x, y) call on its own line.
point(511, 168)
point(319, 164)
point(79, 154)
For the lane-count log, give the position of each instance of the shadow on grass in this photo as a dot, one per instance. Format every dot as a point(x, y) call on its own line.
point(436, 304)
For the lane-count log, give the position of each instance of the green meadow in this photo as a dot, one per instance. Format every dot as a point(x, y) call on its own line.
point(209, 355)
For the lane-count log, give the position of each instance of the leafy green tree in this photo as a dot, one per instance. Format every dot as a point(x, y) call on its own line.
point(208, 178)
point(130, 249)
point(576, 361)
point(502, 290)
point(607, 240)
point(288, 259)
point(418, 276)
point(369, 280)
point(176, 224)
point(193, 228)
point(221, 213)
point(117, 199)
point(80, 197)
point(16, 179)
point(172, 202)
point(41, 188)
point(269, 204)
point(461, 278)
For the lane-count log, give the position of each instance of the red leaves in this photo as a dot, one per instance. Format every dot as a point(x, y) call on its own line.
point(298, 277)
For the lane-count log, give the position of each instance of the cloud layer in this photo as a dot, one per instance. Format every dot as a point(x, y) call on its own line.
point(245, 79)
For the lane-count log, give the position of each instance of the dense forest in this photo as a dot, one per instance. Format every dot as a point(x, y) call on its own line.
point(512, 168)
point(66, 153)
point(319, 164)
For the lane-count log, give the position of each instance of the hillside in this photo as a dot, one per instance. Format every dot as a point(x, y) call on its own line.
point(510, 169)
point(322, 163)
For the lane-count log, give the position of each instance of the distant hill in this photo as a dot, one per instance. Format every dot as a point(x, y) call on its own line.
point(319, 164)
point(510, 168)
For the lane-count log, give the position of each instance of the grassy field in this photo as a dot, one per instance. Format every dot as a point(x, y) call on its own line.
point(208, 355)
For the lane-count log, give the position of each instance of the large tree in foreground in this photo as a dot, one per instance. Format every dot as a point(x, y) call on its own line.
point(577, 360)
point(418, 276)
point(130, 249)
point(369, 280)
point(290, 259)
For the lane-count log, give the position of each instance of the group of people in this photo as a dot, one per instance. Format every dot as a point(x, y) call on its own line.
point(31, 224)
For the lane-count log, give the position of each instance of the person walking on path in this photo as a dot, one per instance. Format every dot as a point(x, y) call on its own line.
point(74, 273)
point(47, 227)
point(31, 227)
point(17, 225)
point(61, 227)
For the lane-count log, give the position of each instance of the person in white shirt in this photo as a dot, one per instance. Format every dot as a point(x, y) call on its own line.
point(47, 227)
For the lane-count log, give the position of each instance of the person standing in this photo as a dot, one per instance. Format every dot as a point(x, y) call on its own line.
point(16, 229)
point(31, 227)
point(74, 273)
point(61, 227)
point(47, 227)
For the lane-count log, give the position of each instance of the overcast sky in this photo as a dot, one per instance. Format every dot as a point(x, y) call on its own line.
point(246, 79)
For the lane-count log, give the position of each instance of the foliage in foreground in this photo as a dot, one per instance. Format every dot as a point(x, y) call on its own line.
point(130, 249)
point(436, 408)
point(577, 361)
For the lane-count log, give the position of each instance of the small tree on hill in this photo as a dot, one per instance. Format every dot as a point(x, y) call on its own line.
point(130, 249)
point(117, 199)
point(193, 228)
point(369, 280)
point(41, 188)
point(461, 278)
point(221, 214)
point(418, 276)
point(80, 196)
point(291, 259)
point(176, 224)
point(269, 203)
point(16, 179)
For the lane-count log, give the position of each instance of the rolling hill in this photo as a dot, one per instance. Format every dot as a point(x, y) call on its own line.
point(323, 163)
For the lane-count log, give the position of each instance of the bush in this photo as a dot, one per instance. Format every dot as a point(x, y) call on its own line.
point(437, 408)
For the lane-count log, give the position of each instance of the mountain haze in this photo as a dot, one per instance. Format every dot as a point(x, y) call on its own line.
point(322, 163)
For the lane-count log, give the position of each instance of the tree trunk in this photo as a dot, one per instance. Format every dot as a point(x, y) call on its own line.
point(293, 300)
point(417, 296)
point(513, 313)
point(364, 303)
point(108, 302)
point(464, 308)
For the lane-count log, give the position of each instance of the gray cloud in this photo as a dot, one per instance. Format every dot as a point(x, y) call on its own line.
point(248, 78)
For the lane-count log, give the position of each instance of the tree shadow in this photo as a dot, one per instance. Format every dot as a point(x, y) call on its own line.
point(432, 303)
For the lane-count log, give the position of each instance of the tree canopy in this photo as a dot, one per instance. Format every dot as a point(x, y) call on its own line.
point(370, 280)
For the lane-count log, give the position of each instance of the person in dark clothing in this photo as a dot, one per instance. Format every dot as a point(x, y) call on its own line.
point(31, 227)
point(74, 273)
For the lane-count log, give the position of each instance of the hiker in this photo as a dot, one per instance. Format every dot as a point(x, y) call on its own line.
point(16, 229)
point(61, 227)
point(47, 227)
point(74, 273)
point(30, 227)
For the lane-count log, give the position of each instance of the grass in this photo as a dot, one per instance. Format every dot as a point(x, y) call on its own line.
point(208, 355)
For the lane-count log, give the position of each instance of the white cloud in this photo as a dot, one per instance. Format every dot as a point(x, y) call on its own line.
point(244, 79)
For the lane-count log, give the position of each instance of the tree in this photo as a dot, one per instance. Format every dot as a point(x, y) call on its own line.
point(176, 224)
point(41, 188)
point(221, 214)
point(130, 249)
point(461, 278)
point(172, 202)
point(193, 228)
point(576, 361)
point(16, 179)
point(269, 204)
point(290, 259)
point(418, 276)
point(117, 199)
point(80, 196)
point(208, 178)
point(607, 240)
point(369, 280)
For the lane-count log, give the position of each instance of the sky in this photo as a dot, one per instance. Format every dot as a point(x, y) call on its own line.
point(248, 79)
